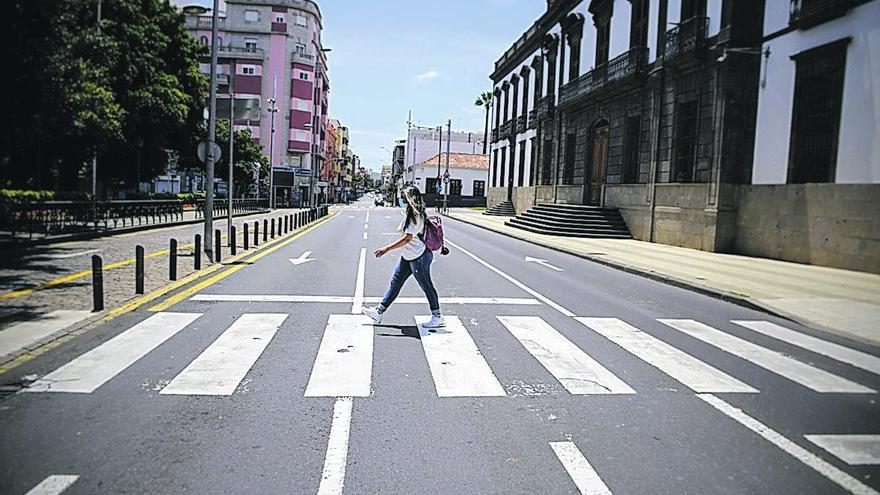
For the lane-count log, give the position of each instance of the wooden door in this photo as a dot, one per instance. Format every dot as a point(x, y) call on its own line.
point(598, 163)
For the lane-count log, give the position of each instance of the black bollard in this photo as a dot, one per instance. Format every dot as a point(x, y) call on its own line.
point(265, 229)
point(245, 237)
point(197, 253)
point(217, 254)
point(272, 227)
point(256, 233)
point(172, 260)
point(97, 283)
point(232, 242)
point(139, 270)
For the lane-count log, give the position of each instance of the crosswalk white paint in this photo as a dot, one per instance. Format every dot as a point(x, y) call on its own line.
point(333, 474)
point(344, 363)
point(834, 351)
point(813, 461)
point(585, 478)
point(796, 371)
point(92, 369)
point(575, 370)
point(21, 336)
point(458, 368)
point(855, 449)
point(223, 365)
point(53, 485)
point(284, 298)
point(690, 371)
point(508, 301)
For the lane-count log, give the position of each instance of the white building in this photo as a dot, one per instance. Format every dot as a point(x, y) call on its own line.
point(425, 142)
point(468, 175)
point(819, 102)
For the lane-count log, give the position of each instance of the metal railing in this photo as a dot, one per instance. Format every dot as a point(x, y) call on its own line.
point(533, 117)
point(496, 135)
point(241, 51)
point(632, 62)
point(67, 217)
point(808, 13)
point(303, 57)
point(521, 123)
point(687, 37)
point(507, 128)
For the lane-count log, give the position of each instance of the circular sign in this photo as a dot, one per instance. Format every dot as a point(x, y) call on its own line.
point(203, 149)
point(446, 179)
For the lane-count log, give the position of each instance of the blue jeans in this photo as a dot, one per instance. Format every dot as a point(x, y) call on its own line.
point(421, 268)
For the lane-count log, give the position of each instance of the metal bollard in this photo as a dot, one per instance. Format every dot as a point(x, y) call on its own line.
point(265, 229)
point(172, 260)
point(197, 252)
point(217, 253)
point(272, 227)
point(256, 233)
point(232, 242)
point(97, 283)
point(286, 223)
point(139, 270)
point(245, 237)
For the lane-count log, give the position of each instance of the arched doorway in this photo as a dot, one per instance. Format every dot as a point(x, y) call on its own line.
point(598, 162)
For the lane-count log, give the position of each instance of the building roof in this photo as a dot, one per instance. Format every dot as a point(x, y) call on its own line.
point(459, 160)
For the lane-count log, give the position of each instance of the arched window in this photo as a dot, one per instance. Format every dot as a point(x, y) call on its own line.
point(204, 40)
point(219, 41)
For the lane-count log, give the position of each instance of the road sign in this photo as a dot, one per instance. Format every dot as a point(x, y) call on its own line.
point(322, 183)
point(305, 172)
point(446, 179)
point(203, 148)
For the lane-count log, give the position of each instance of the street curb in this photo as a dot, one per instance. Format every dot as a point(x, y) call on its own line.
point(9, 362)
point(676, 282)
point(13, 247)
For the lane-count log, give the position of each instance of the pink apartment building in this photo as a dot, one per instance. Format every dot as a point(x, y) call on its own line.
point(271, 50)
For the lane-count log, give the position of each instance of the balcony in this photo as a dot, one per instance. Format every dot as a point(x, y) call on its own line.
point(805, 14)
point(507, 128)
point(240, 52)
point(533, 118)
point(688, 38)
point(495, 135)
point(626, 65)
point(521, 124)
point(545, 107)
point(302, 58)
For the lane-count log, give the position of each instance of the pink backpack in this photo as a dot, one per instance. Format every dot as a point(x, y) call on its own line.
point(433, 236)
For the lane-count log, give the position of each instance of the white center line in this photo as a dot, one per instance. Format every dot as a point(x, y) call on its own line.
point(358, 299)
point(53, 485)
point(585, 478)
point(822, 467)
point(333, 475)
point(368, 217)
point(365, 236)
point(514, 281)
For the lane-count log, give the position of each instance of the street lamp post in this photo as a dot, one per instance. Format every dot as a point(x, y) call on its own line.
point(272, 110)
point(212, 125)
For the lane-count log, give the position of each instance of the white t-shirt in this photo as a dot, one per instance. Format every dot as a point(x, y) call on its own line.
point(415, 247)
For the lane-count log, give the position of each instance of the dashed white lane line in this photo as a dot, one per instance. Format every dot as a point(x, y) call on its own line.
point(585, 478)
point(358, 299)
point(813, 461)
point(837, 352)
point(365, 236)
point(53, 485)
point(333, 475)
point(536, 294)
point(855, 450)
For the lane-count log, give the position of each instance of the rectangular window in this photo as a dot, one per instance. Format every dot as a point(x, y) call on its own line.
point(251, 16)
point(632, 143)
point(304, 75)
point(494, 168)
point(455, 187)
point(568, 170)
point(638, 31)
point(250, 44)
point(302, 21)
point(300, 104)
point(501, 182)
point(479, 188)
point(299, 135)
point(603, 41)
point(685, 142)
point(280, 18)
point(815, 121)
point(546, 163)
point(521, 177)
point(249, 70)
point(300, 48)
point(431, 185)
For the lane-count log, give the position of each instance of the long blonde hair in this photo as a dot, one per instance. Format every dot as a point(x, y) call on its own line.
point(415, 206)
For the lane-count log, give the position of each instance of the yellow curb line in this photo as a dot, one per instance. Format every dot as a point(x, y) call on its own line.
point(85, 273)
point(263, 250)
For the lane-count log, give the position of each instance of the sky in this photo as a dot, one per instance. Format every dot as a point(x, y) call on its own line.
point(433, 57)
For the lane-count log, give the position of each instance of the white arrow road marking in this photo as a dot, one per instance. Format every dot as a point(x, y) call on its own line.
point(303, 258)
point(541, 262)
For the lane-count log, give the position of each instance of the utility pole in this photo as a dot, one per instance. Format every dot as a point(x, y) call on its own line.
point(273, 110)
point(446, 185)
point(229, 226)
point(439, 176)
point(95, 156)
point(212, 128)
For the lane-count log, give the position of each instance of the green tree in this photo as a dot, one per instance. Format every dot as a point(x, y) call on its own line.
point(128, 92)
point(485, 100)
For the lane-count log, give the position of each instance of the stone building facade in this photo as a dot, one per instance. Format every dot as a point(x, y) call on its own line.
point(650, 106)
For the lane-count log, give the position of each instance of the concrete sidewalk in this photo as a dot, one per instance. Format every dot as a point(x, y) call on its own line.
point(840, 301)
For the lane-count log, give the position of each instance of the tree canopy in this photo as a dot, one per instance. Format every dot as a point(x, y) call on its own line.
point(128, 90)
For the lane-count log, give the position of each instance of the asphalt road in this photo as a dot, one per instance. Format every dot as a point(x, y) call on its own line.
point(250, 388)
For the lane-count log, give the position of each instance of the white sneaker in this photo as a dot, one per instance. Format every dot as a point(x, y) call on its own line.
point(435, 322)
point(373, 313)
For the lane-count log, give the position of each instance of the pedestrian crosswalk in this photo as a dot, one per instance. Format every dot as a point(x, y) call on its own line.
point(456, 358)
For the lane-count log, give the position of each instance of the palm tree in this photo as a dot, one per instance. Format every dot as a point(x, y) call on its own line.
point(485, 100)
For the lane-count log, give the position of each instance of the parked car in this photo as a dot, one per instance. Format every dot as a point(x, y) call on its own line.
point(380, 200)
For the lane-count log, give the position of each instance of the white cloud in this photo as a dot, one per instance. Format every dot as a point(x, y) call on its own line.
point(431, 74)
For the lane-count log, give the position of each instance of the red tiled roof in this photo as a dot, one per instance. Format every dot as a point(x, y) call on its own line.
point(459, 160)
